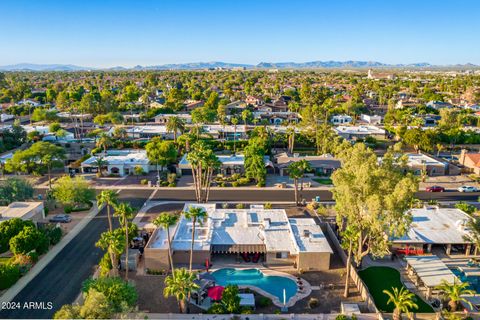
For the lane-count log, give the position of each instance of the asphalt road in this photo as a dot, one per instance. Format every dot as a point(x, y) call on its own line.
point(60, 281)
point(264, 195)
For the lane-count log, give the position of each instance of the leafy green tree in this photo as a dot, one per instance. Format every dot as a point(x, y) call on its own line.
point(403, 300)
point(109, 198)
point(14, 137)
point(372, 199)
point(231, 299)
point(73, 191)
point(119, 293)
point(455, 293)
point(196, 214)
point(29, 239)
point(15, 189)
point(125, 212)
point(166, 220)
point(9, 229)
point(96, 306)
point(161, 152)
point(40, 157)
point(419, 139)
point(180, 285)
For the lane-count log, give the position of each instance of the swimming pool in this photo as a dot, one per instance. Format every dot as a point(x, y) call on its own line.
point(473, 281)
point(273, 285)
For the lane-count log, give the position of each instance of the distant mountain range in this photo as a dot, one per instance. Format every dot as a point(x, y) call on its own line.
point(218, 64)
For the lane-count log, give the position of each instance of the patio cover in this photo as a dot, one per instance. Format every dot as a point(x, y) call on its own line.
point(431, 270)
point(238, 248)
point(247, 299)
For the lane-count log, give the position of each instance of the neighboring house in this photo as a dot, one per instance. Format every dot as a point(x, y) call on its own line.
point(235, 106)
point(40, 129)
point(359, 132)
point(191, 105)
point(227, 132)
point(279, 105)
point(163, 118)
point(277, 118)
point(230, 164)
point(146, 132)
point(254, 101)
point(438, 104)
point(75, 116)
point(322, 165)
point(434, 227)
point(371, 119)
point(30, 102)
point(33, 211)
point(6, 117)
point(231, 233)
point(432, 165)
point(119, 162)
point(470, 160)
point(341, 119)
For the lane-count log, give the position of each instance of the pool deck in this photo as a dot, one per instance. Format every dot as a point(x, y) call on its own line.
point(301, 294)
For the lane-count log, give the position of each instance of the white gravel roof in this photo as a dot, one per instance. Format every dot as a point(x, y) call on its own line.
point(433, 225)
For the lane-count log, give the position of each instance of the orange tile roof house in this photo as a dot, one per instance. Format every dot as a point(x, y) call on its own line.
point(471, 161)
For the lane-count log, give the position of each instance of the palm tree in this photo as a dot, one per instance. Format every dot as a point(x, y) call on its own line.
point(296, 170)
point(104, 141)
point(180, 285)
point(291, 138)
point(403, 300)
point(114, 243)
point(166, 220)
point(194, 214)
point(175, 124)
point(454, 293)
point(100, 163)
point(124, 212)
point(234, 122)
point(440, 148)
point(108, 198)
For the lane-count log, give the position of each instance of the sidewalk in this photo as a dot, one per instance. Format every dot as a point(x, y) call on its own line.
point(49, 256)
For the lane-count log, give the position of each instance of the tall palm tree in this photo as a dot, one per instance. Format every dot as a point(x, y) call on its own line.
point(124, 212)
point(180, 285)
point(195, 214)
point(454, 293)
point(108, 198)
point(104, 141)
point(234, 122)
point(166, 220)
point(114, 243)
point(100, 163)
point(175, 124)
point(291, 138)
point(403, 300)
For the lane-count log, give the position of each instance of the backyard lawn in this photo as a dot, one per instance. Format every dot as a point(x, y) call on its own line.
point(325, 181)
point(378, 279)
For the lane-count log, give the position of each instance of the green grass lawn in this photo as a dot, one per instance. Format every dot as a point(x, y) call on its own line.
point(378, 279)
point(325, 181)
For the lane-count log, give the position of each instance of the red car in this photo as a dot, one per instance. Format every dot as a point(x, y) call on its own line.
point(435, 189)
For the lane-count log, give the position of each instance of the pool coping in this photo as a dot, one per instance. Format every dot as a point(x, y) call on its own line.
point(299, 295)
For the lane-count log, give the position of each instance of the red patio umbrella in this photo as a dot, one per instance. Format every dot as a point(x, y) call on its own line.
point(215, 293)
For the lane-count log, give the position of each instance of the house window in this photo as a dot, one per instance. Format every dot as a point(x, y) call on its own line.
point(282, 255)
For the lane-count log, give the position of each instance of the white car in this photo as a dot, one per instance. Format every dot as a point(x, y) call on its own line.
point(467, 189)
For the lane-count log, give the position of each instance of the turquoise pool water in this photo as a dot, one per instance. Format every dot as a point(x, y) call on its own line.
point(254, 277)
point(473, 281)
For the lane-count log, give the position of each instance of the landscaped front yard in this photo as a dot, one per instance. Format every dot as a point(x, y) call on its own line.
point(378, 279)
point(324, 181)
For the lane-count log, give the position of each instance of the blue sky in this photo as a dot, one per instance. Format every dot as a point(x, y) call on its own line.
point(105, 33)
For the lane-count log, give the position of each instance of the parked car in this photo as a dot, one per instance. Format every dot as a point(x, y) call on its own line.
point(467, 189)
point(61, 218)
point(435, 189)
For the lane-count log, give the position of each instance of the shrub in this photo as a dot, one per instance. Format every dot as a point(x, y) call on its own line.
point(468, 208)
point(216, 308)
point(264, 302)
point(341, 317)
point(164, 183)
point(235, 184)
point(118, 292)
point(172, 185)
point(9, 274)
point(225, 205)
point(243, 181)
point(171, 178)
point(313, 303)
point(54, 234)
point(267, 205)
point(33, 255)
point(29, 239)
point(144, 181)
point(240, 206)
point(105, 265)
point(68, 209)
point(9, 229)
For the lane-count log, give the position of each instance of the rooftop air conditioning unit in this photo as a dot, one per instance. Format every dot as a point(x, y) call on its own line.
point(306, 233)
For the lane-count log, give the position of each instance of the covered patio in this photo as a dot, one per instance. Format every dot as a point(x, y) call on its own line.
point(429, 271)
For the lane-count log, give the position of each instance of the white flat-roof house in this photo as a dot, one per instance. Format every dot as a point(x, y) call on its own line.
point(119, 162)
point(359, 132)
point(163, 118)
point(436, 227)
point(371, 119)
point(341, 119)
point(227, 132)
point(230, 164)
point(267, 233)
point(146, 132)
point(33, 211)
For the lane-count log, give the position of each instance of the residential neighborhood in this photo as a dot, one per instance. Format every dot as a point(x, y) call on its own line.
point(135, 185)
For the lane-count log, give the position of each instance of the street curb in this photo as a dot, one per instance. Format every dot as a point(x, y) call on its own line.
point(12, 292)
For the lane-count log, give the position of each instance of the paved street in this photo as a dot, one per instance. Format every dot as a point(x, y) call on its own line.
point(61, 280)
